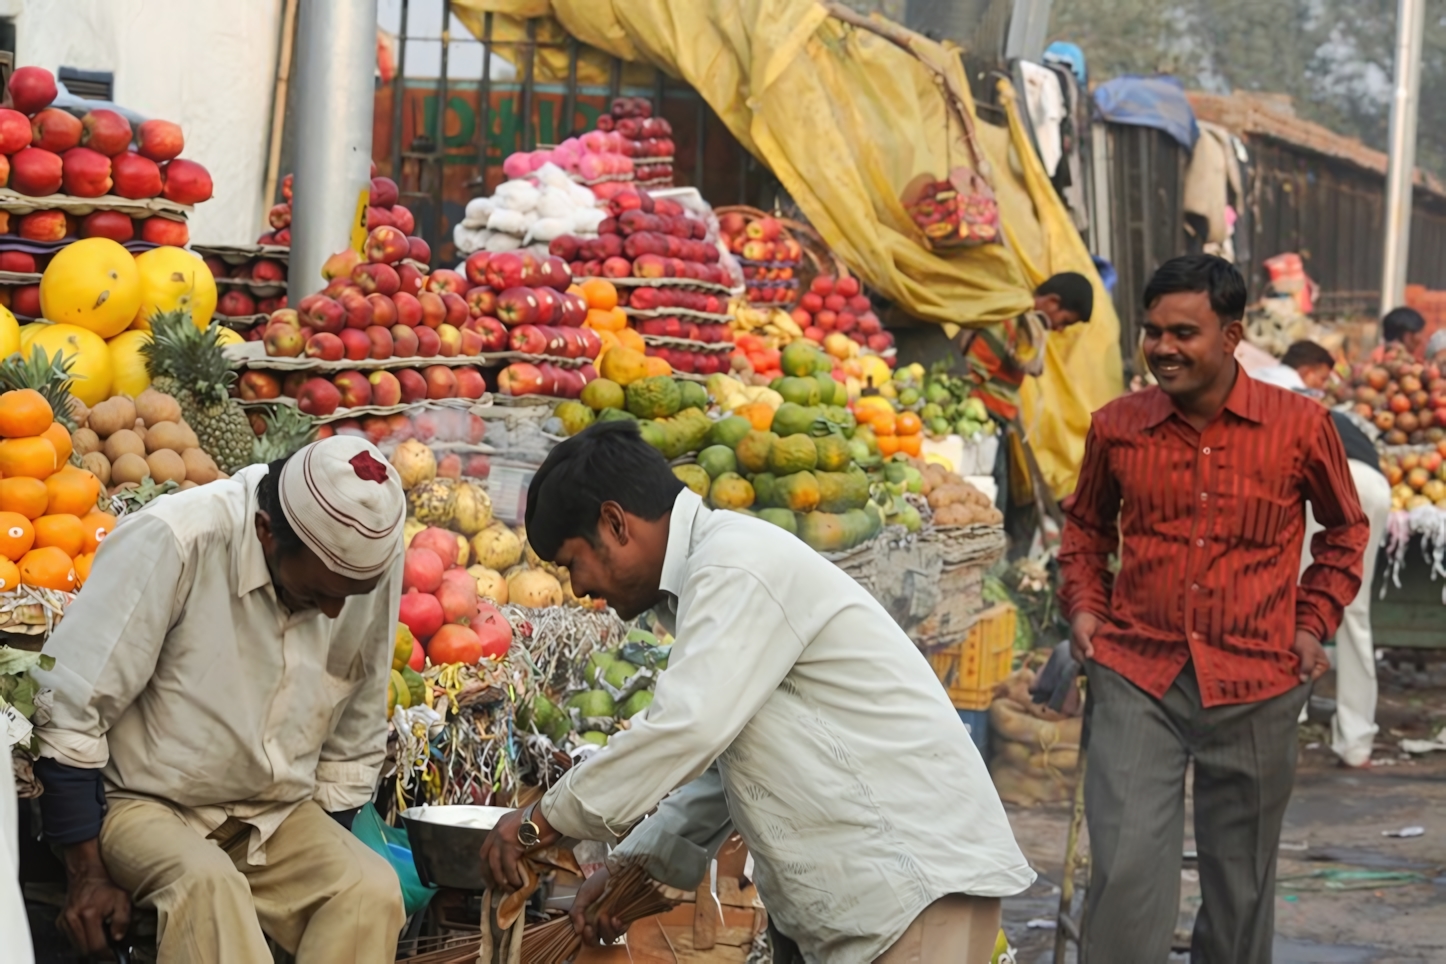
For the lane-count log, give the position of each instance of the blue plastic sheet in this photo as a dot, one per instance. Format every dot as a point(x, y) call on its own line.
point(392, 844)
point(1157, 102)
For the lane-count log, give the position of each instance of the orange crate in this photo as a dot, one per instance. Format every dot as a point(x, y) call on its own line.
point(972, 667)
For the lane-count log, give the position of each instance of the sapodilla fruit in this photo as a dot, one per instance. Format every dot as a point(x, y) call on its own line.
point(36, 172)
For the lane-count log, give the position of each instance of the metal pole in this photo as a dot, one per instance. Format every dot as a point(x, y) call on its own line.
point(439, 144)
point(336, 67)
point(399, 87)
point(1410, 25)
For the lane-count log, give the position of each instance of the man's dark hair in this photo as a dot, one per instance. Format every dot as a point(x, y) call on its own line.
point(1201, 273)
point(1304, 354)
point(1074, 291)
point(1400, 322)
point(268, 500)
point(605, 462)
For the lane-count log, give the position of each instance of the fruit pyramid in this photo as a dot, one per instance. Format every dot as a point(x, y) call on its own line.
point(187, 364)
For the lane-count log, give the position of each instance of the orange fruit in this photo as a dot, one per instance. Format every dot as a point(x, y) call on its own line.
point(911, 444)
point(48, 568)
point(63, 531)
point(600, 294)
point(888, 445)
point(599, 320)
point(72, 491)
point(32, 457)
point(82, 567)
point(629, 338)
point(908, 424)
point(24, 412)
point(657, 366)
point(29, 497)
point(60, 438)
point(885, 423)
point(9, 576)
point(17, 536)
point(96, 526)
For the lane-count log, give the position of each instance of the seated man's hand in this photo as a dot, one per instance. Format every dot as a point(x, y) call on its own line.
point(605, 929)
point(96, 910)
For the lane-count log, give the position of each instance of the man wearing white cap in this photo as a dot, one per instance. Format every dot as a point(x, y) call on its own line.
point(220, 694)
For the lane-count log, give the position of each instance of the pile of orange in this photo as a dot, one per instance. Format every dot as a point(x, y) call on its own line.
point(895, 431)
point(50, 527)
point(611, 323)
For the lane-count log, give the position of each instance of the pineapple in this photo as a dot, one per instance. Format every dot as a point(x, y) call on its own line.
point(48, 376)
point(186, 363)
point(288, 428)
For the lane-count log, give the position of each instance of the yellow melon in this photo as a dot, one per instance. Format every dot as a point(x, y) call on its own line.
point(129, 375)
point(9, 333)
point(92, 372)
point(229, 336)
point(173, 279)
point(92, 284)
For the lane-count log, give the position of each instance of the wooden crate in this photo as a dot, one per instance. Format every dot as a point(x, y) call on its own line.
point(970, 668)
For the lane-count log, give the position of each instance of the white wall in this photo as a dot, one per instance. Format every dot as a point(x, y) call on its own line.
point(208, 65)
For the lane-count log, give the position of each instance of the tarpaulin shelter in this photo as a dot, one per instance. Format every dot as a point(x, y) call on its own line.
point(845, 119)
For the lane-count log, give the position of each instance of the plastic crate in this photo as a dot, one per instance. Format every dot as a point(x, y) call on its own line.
point(970, 668)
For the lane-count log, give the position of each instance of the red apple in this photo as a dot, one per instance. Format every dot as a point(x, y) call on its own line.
point(318, 397)
point(549, 307)
point(340, 265)
point(428, 344)
point(528, 339)
point(43, 226)
point(520, 378)
point(444, 280)
point(402, 219)
point(386, 390)
point(25, 301)
point(847, 321)
point(471, 341)
point(323, 314)
point(450, 339)
point(325, 346)
point(494, 333)
point(835, 303)
point(434, 309)
point(470, 383)
point(418, 250)
point(379, 218)
point(358, 309)
point(85, 173)
point(259, 386)
point(517, 306)
point(381, 339)
point(441, 382)
point(557, 273)
point(404, 341)
point(186, 182)
point(504, 271)
point(409, 309)
point(236, 304)
point(356, 345)
point(822, 286)
point(414, 386)
point(617, 268)
point(15, 132)
point(160, 140)
point(457, 309)
point(105, 131)
point(384, 310)
point(19, 261)
point(135, 176)
point(412, 279)
point(36, 172)
point(55, 130)
point(284, 316)
point(284, 341)
point(376, 278)
point(108, 224)
point(869, 323)
point(481, 301)
point(268, 270)
point(848, 286)
point(386, 244)
point(32, 89)
point(279, 216)
point(162, 230)
point(383, 193)
point(475, 267)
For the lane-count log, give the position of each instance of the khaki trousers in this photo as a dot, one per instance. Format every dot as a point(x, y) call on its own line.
point(323, 895)
point(957, 929)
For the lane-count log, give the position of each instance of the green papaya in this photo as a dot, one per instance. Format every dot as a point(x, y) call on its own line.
point(826, 387)
point(717, 459)
point(783, 518)
point(793, 419)
point(764, 490)
point(729, 430)
point(799, 358)
point(823, 531)
point(833, 453)
point(840, 491)
point(616, 415)
point(798, 492)
point(792, 453)
point(654, 397)
point(692, 395)
point(694, 477)
point(655, 433)
point(683, 433)
point(731, 491)
point(752, 451)
point(799, 391)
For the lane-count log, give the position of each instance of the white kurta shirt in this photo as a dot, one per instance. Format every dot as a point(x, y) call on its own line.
point(798, 712)
point(179, 673)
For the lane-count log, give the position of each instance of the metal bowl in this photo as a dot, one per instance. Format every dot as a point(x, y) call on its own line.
point(447, 843)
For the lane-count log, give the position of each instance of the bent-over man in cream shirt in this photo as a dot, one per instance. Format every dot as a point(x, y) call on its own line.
point(793, 710)
point(220, 705)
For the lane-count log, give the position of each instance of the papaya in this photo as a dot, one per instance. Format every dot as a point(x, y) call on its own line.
point(783, 518)
point(793, 453)
point(575, 416)
point(616, 415)
point(826, 388)
point(798, 492)
point(823, 531)
point(692, 395)
point(757, 414)
point(793, 419)
point(799, 391)
point(799, 358)
point(731, 491)
point(654, 434)
point(694, 477)
point(657, 396)
point(729, 431)
point(683, 433)
point(717, 459)
point(764, 490)
point(833, 453)
point(840, 491)
point(752, 451)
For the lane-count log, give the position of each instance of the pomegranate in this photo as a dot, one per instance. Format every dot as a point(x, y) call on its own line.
point(493, 631)
point(454, 643)
point(421, 613)
point(422, 570)
point(442, 542)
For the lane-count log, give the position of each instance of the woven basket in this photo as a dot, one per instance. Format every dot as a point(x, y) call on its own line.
point(975, 545)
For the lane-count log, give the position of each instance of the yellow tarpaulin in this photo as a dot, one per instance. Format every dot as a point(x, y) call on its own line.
point(845, 119)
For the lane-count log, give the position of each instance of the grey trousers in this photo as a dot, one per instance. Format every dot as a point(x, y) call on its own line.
point(1139, 747)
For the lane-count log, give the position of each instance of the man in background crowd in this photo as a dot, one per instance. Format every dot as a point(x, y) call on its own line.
point(1306, 367)
point(1401, 329)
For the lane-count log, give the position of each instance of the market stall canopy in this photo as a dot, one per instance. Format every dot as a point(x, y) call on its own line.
point(844, 118)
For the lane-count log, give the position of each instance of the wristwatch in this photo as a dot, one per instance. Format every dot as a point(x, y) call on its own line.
point(529, 834)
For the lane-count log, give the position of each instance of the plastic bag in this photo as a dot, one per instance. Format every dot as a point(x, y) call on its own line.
point(393, 845)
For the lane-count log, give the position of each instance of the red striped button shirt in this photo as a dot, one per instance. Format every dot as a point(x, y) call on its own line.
point(1208, 527)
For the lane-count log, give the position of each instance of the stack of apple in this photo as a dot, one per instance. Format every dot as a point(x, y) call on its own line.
point(769, 255)
point(279, 218)
point(48, 151)
point(382, 209)
point(648, 140)
point(839, 305)
point(323, 396)
point(238, 302)
point(644, 238)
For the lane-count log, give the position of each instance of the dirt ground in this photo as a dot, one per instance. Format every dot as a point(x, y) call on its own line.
point(1347, 894)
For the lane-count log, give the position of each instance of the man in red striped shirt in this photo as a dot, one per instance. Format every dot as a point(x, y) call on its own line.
point(1202, 646)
